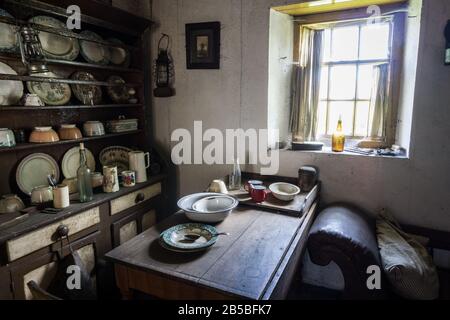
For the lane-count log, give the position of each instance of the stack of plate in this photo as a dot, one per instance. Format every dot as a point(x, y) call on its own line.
point(207, 207)
point(175, 238)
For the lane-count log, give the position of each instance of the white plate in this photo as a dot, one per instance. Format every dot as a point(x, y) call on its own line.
point(117, 55)
point(71, 162)
point(8, 36)
point(116, 156)
point(53, 45)
point(32, 171)
point(10, 91)
point(94, 52)
point(53, 94)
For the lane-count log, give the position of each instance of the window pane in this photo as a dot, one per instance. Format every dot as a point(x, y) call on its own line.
point(375, 41)
point(344, 44)
point(345, 110)
point(322, 118)
point(365, 81)
point(342, 82)
point(324, 83)
point(362, 118)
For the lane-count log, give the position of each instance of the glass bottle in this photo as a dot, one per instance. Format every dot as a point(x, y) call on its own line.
point(235, 176)
point(84, 178)
point(338, 139)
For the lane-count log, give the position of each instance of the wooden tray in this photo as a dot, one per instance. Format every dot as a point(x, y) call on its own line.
point(297, 207)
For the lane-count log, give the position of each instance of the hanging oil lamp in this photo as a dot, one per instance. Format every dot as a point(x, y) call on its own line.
point(163, 70)
point(31, 50)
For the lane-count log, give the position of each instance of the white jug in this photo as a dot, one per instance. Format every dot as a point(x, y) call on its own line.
point(139, 162)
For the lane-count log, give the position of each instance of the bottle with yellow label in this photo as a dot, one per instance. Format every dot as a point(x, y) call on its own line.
point(338, 139)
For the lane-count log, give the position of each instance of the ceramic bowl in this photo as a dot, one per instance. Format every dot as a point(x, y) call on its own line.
point(284, 191)
point(7, 138)
point(69, 132)
point(11, 203)
point(93, 129)
point(186, 204)
point(43, 135)
point(42, 194)
point(214, 204)
point(72, 183)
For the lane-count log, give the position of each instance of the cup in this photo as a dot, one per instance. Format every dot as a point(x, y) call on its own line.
point(139, 162)
point(110, 179)
point(259, 193)
point(20, 136)
point(251, 183)
point(218, 186)
point(61, 197)
point(128, 179)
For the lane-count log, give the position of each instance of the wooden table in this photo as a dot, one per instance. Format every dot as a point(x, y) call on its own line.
point(258, 261)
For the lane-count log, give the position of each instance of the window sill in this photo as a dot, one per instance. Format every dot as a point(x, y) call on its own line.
point(327, 151)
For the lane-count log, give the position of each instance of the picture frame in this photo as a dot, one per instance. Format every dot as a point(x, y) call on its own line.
point(203, 45)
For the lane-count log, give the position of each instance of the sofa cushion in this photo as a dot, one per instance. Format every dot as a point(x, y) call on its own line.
point(406, 262)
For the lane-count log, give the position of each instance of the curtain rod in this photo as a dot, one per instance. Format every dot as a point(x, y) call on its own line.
point(363, 18)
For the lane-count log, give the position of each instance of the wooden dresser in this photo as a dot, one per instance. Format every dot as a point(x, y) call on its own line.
point(29, 250)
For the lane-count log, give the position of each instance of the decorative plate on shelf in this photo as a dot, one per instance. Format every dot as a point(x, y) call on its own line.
point(53, 94)
point(71, 162)
point(118, 94)
point(116, 156)
point(10, 91)
point(175, 237)
point(119, 56)
point(8, 35)
point(53, 45)
point(84, 93)
point(32, 171)
point(92, 51)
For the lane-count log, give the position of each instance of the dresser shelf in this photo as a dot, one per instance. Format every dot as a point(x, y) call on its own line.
point(71, 107)
point(29, 146)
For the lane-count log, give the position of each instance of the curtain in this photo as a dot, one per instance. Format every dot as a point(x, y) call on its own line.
point(306, 85)
point(379, 103)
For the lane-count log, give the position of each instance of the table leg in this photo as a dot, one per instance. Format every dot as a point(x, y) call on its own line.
point(122, 282)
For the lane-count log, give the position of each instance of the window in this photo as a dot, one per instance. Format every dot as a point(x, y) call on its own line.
point(348, 67)
point(349, 56)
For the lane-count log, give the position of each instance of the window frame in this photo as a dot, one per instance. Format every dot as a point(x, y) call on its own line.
point(398, 14)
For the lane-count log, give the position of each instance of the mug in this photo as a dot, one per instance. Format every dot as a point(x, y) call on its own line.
point(259, 193)
point(128, 178)
point(61, 198)
point(110, 179)
point(139, 162)
point(218, 186)
point(251, 183)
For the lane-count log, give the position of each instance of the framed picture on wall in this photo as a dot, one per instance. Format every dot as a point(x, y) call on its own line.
point(203, 45)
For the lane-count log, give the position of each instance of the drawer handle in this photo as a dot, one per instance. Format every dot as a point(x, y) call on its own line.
point(139, 198)
point(62, 231)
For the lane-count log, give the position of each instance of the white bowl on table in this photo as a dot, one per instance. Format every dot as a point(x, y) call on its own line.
point(211, 207)
point(284, 191)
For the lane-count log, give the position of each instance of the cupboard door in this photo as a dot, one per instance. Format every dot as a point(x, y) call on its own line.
point(125, 229)
point(42, 270)
point(148, 219)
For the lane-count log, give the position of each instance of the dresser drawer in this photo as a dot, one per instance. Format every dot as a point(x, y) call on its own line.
point(130, 200)
point(41, 238)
